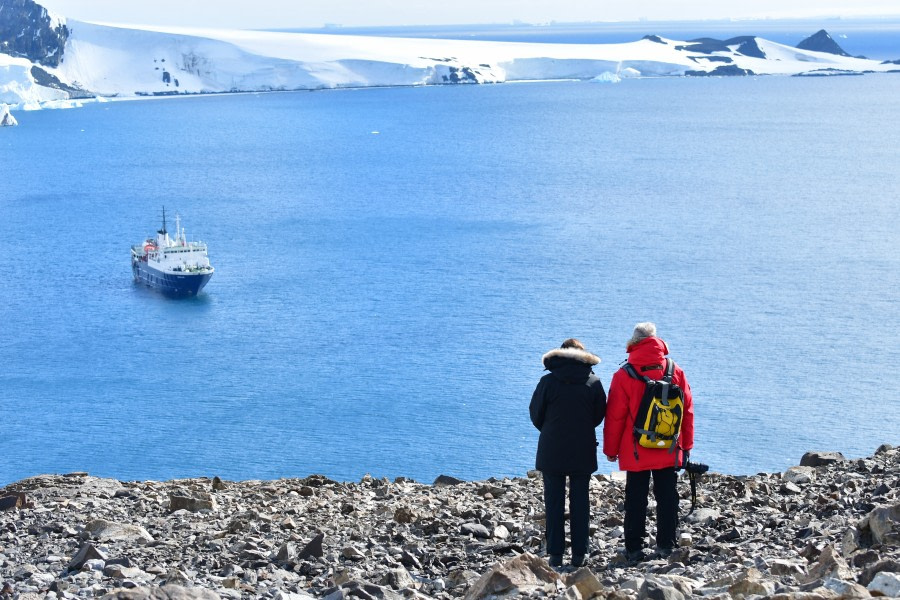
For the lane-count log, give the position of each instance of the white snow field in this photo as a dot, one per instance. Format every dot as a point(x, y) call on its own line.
point(115, 61)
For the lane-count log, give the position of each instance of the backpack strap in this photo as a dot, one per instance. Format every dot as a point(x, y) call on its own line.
point(629, 368)
point(670, 370)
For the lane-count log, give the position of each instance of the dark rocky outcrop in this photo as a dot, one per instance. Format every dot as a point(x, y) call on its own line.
point(821, 41)
point(654, 38)
point(811, 533)
point(45, 79)
point(26, 31)
point(721, 71)
point(746, 45)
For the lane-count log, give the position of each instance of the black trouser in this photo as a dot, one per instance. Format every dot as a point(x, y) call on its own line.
point(637, 485)
point(579, 511)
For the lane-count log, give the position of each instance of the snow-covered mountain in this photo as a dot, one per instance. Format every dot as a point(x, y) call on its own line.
point(125, 61)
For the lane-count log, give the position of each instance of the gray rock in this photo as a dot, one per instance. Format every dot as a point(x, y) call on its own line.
point(85, 553)
point(830, 564)
point(120, 572)
point(704, 516)
point(521, 575)
point(882, 566)
point(404, 514)
point(821, 459)
point(793, 568)
point(845, 589)
point(751, 583)
point(585, 582)
point(885, 584)
point(654, 588)
point(800, 475)
point(790, 488)
point(191, 504)
point(352, 553)
point(882, 525)
point(104, 530)
point(313, 548)
point(167, 592)
point(12, 501)
point(398, 578)
point(476, 529)
point(447, 480)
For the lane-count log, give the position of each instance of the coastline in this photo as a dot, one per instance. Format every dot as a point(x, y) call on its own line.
point(822, 531)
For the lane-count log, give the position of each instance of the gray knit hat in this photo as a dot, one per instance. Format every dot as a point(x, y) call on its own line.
point(641, 331)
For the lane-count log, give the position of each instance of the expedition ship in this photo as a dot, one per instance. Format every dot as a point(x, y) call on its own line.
point(176, 266)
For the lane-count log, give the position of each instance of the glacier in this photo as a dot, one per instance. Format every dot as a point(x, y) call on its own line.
point(103, 61)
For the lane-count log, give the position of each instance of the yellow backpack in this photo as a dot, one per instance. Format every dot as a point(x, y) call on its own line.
point(658, 420)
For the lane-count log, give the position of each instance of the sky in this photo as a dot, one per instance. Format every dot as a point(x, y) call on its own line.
point(269, 14)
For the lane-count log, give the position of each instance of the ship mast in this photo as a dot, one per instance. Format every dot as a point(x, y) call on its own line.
point(163, 230)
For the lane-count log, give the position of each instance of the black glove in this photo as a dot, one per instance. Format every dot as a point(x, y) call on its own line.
point(686, 456)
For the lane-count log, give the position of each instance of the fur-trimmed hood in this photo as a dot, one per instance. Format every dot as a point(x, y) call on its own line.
point(559, 356)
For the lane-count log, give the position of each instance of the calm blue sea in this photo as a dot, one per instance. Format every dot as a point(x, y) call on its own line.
point(392, 264)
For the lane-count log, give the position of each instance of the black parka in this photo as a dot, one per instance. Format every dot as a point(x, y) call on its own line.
point(566, 407)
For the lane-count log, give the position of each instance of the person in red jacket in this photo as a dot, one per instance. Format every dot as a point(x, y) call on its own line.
point(647, 354)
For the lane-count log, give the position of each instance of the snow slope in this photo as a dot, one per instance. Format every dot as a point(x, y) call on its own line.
point(126, 61)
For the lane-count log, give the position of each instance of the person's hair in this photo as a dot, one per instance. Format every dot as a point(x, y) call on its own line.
point(642, 331)
point(572, 343)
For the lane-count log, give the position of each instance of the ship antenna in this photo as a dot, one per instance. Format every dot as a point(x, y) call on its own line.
point(163, 230)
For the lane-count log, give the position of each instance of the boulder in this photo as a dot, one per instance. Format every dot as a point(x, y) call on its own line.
point(476, 529)
point(751, 582)
point(104, 530)
point(313, 548)
point(885, 584)
point(447, 480)
point(585, 582)
point(799, 475)
point(845, 589)
point(821, 459)
point(520, 575)
point(655, 588)
point(15, 500)
point(829, 564)
point(85, 553)
point(166, 592)
point(881, 525)
point(190, 503)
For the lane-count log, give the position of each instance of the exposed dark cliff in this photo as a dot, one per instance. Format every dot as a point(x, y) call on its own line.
point(822, 42)
point(26, 30)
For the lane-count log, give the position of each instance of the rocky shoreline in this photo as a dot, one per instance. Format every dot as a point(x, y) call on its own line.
point(827, 529)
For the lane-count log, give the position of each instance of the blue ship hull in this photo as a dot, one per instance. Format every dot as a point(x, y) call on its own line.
point(171, 284)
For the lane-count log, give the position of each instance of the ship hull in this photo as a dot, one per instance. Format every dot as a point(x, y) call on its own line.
point(171, 284)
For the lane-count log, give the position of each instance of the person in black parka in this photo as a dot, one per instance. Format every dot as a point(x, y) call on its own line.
point(566, 407)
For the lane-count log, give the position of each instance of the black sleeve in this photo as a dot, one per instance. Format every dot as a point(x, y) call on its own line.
point(599, 403)
point(538, 405)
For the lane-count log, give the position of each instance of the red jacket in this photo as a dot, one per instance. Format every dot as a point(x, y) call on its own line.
point(625, 394)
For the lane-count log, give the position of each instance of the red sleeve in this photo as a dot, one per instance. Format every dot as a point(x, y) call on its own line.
point(616, 415)
point(686, 440)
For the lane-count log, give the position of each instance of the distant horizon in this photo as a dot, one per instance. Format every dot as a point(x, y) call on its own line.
point(314, 14)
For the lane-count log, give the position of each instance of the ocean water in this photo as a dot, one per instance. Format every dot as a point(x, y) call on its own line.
point(392, 264)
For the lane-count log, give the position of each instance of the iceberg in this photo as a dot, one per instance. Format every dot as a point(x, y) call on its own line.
point(607, 77)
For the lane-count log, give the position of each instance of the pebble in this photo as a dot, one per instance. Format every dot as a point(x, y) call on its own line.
point(823, 530)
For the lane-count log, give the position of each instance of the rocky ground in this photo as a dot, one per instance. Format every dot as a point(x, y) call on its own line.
point(830, 529)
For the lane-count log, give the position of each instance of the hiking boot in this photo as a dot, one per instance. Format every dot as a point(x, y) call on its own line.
point(555, 560)
point(635, 556)
point(663, 552)
point(577, 560)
